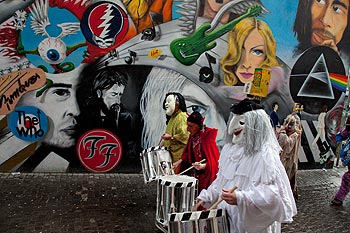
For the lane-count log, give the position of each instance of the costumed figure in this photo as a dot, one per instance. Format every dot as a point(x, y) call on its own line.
point(298, 108)
point(176, 135)
point(289, 138)
point(324, 148)
point(344, 189)
point(251, 162)
point(201, 145)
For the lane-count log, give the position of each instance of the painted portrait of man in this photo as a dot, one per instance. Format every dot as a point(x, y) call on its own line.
point(323, 23)
point(59, 102)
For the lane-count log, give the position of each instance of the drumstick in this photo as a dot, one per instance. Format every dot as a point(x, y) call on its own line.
point(161, 139)
point(203, 160)
point(220, 200)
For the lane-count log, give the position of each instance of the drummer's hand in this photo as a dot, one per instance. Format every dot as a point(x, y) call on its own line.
point(198, 204)
point(199, 166)
point(166, 136)
point(230, 198)
point(176, 164)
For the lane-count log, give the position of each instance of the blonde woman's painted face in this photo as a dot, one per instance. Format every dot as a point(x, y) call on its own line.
point(253, 55)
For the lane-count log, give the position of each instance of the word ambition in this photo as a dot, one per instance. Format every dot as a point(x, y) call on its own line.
point(14, 85)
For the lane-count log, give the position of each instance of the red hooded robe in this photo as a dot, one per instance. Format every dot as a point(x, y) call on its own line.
point(205, 149)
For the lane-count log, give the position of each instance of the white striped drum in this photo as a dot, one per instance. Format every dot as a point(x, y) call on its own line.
point(156, 162)
point(209, 221)
point(175, 194)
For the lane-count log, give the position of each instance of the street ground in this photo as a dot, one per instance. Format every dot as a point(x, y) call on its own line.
point(122, 203)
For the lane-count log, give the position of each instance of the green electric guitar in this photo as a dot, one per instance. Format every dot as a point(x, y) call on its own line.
point(188, 49)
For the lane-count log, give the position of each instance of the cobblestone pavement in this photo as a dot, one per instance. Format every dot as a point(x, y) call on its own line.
point(53, 202)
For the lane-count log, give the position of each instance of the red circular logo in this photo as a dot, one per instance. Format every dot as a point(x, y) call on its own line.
point(99, 150)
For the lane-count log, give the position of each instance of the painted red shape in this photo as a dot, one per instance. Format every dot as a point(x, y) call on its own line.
point(99, 150)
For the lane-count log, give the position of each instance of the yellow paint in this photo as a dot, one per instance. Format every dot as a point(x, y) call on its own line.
point(155, 53)
point(260, 83)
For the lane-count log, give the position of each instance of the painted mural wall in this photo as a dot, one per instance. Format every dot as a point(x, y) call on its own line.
point(83, 82)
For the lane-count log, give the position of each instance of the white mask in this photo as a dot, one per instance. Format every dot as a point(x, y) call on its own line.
point(170, 104)
point(236, 128)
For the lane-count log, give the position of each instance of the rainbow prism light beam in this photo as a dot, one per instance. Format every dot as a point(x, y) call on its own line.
point(339, 81)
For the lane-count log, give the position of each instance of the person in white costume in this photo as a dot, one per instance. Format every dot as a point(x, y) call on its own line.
point(321, 128)
point(251, 162)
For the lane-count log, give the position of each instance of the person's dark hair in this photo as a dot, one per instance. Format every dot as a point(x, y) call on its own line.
point(302, 24)
point(302, 28)
point(244, 106)
point(107, 77)
point(94, 79)
point(274, 104)
point(196, 118)
point(180, 100)
point(324, 108)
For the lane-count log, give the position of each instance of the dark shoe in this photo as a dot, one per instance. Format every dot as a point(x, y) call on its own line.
point(336, 202)
point(295, 193)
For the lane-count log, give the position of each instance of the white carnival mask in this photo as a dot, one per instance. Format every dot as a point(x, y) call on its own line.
point(236, 128)
point(170, 104)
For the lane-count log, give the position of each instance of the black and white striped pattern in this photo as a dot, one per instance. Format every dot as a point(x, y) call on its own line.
point(178, 181)
point(308, 156)
point(196, 215)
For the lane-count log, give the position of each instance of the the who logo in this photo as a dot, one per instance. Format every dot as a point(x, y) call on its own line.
point(99, 150)
point(28, 123)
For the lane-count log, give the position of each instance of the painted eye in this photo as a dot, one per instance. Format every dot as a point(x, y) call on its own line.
point(197, 108)
point(338, 10)
point(52, 50)
point(241, 122)
point(257, 52)
point(321, 2)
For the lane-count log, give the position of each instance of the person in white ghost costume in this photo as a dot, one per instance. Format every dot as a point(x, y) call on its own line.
point(263, 199)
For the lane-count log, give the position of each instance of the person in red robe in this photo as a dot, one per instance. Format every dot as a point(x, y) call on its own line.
point(201, 145)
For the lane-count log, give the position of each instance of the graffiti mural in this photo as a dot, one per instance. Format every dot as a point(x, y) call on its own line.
point(100, 69)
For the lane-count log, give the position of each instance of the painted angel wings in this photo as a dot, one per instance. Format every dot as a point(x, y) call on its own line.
point(189, 9)
point(40, 20)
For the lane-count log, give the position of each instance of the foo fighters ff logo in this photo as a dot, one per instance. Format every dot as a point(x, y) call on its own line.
point(99, 150)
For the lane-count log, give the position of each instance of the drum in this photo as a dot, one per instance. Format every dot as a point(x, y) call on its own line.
point(156, 162)
point(214, 221)
point(175, 193)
